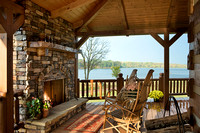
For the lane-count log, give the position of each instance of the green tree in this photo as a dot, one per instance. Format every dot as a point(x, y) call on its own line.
point(115, 71)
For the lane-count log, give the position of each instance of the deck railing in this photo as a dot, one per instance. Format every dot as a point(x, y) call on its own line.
point(99, 88)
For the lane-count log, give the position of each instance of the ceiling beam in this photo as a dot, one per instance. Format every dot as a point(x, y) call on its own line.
point(170, 12)
point(81, 41)
point(122, 32)
point(71, 6)
point(124, 14)
point(86, 20)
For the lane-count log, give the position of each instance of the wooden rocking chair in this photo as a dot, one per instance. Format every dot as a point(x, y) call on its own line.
point(120, 97)
point(128, 115)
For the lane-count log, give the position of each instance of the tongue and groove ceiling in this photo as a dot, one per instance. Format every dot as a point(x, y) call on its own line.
point(120, 17)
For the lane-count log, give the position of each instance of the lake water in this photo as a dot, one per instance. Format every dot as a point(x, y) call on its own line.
point(142, 72)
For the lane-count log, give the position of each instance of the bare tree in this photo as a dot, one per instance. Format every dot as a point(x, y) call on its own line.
point(93, 52)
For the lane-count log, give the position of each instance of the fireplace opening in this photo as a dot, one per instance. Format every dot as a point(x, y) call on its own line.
point(54, 91)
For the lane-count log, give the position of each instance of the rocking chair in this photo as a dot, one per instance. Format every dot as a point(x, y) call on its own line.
point(128, 115)
point(120, 97)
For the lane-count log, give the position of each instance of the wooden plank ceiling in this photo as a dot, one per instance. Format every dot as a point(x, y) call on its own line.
point(120, 17)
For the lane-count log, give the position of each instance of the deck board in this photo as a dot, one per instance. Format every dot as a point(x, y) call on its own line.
point(149, 113)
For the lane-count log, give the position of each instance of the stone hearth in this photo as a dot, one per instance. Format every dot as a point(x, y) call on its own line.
point(58, 115)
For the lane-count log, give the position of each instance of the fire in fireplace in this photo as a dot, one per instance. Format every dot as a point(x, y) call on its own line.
point(54, 91)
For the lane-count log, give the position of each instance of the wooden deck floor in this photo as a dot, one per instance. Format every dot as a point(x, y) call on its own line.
point(153, 111)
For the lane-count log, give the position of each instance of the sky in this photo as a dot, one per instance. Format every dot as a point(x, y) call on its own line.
point(144, 48)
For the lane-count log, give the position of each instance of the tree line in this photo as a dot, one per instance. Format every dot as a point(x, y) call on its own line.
point(110, 63)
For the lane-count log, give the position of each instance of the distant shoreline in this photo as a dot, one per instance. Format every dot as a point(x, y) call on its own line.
point(108, 64)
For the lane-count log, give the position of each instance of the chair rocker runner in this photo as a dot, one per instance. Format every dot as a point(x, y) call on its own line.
point(128, 115)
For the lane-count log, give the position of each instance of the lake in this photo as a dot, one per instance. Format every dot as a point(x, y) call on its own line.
point(142, 72)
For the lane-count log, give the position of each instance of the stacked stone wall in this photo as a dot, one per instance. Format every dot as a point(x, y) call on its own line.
point(29, 66)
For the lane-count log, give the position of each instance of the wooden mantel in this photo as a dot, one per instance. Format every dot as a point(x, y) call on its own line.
point(56, 47)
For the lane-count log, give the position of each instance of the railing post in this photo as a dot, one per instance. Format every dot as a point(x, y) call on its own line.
point(120, 82)
point(78, 89)
point(161, 85)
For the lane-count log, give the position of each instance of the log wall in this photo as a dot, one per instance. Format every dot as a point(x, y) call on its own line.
point(194, 40)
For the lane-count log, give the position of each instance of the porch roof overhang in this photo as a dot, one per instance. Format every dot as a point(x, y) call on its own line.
point(121, 17)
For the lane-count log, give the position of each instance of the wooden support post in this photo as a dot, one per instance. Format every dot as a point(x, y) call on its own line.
point(2, 116)
point(166, 68)
point(10, 25)
point(166, 43)
point(161, 79)
point(120, 82)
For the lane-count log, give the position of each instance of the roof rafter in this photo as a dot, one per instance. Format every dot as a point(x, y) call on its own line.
point(125, 16)
point(86, 20)
point(170, 12)
point(66, 8)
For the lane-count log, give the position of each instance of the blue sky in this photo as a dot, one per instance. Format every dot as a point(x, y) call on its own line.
point(144, 48)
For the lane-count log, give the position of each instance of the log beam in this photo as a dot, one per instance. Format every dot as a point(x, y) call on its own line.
point(122, 32)
point(84, 22)
point(70, 6)
point(81, 41)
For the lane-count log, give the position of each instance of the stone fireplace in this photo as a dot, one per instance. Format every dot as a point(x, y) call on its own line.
point(44, 68)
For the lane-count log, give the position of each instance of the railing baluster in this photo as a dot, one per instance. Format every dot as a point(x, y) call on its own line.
point(83, 89)
point(100, 90)
point(105, 89)
point(113, 89)
point(156, 84)
point(184, 89)
point(91, 88)
point(178, 90)
point(174, 84)
point(109, 88)
point(87, 89)
point(181, 89)
point(152, 85)
point(170, 89)
point(96, 89)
